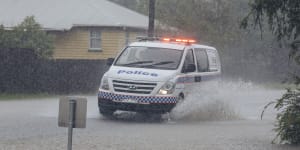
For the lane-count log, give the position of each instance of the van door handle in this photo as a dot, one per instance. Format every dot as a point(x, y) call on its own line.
point(197, 78)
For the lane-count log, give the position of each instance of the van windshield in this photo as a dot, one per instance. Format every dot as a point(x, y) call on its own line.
point(150, 57)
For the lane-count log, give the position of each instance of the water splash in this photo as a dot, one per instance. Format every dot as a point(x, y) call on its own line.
point(225, 100)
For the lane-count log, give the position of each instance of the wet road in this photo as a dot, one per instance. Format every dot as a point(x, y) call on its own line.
point(32, 125)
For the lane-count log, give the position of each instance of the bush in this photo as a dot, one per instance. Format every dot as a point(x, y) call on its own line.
point(287, 123)
point(27, 35)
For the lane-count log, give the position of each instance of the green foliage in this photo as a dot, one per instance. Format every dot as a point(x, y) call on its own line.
point(212, 22)
point(27, 35)
point(282, 16)
point(288, 119)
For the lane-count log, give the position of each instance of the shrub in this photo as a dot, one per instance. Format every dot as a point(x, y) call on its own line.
point(27, 35)
point(287, 123)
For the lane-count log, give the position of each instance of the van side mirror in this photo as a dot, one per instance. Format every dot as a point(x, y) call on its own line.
point(110, 61)
point(189, 68)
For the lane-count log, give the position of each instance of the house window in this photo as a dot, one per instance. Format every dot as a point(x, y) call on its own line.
point(95, 40)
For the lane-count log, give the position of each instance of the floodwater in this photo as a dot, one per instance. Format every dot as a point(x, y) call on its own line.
point(220, 116)
point(212, 101)
point(227, 100)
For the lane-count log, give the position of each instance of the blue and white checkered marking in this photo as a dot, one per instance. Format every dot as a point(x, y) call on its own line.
point(140, 99)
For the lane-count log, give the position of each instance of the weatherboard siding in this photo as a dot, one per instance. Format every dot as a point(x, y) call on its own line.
point(133, 35)
point(74, 44)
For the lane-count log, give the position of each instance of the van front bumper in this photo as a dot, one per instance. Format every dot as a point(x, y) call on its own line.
point(147, 104)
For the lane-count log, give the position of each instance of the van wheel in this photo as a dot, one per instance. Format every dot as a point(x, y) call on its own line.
point(108, 113)
point(180, 98)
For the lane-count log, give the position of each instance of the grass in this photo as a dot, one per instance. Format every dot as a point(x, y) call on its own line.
point(280, 85)
point(11, 96)
point(8, 96)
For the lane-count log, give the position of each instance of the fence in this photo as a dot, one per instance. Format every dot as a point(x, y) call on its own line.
point(21, 71)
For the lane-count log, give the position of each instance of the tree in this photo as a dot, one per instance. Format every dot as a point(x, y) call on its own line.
point(283, 17)
point(27, 35)
point(202, 19)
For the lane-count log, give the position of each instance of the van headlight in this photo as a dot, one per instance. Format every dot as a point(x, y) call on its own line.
point(167, 88)
point(104, 83)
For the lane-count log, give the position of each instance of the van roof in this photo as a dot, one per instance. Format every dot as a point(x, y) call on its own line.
point(171, 45)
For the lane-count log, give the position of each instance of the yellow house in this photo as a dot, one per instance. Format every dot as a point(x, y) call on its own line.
point(83, 29)
point(92, 43)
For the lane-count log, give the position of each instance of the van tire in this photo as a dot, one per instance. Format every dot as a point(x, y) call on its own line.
point(108, 113)
point(180, 98)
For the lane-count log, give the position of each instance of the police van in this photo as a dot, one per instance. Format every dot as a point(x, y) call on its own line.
point(154, 74)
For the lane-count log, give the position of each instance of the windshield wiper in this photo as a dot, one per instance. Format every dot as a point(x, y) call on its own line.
point(159, 63)
point(163, 63)
point(136, 63)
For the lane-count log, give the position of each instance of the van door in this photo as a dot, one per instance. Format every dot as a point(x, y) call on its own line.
point(202, 60)
point(189, 70)
point(189, 63)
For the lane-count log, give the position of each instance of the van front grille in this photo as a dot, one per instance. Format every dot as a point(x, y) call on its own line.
point(133, 87)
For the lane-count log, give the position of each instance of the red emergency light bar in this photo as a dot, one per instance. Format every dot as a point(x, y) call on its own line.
point(178, 40)
point(188, 41)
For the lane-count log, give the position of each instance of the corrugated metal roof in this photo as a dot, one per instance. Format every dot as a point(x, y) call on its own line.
point(64, 14)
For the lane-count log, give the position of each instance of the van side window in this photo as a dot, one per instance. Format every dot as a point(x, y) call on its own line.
point(189, 59)
point(202, 60)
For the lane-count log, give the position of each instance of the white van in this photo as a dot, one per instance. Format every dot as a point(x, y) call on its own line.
point(153, 75)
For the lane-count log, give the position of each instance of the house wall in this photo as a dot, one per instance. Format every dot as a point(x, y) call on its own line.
point(74, 44)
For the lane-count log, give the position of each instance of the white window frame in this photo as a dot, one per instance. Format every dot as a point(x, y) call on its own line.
point(97, 37)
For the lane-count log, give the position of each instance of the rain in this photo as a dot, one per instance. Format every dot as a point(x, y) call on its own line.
point(217, 64)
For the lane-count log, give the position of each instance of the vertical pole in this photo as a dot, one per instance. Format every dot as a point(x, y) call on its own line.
point(72, 104)
point(151, 18)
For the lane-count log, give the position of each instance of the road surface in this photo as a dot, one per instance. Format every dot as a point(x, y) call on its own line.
point(235, 125)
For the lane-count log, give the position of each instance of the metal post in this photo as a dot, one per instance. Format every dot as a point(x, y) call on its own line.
point(72, 104)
